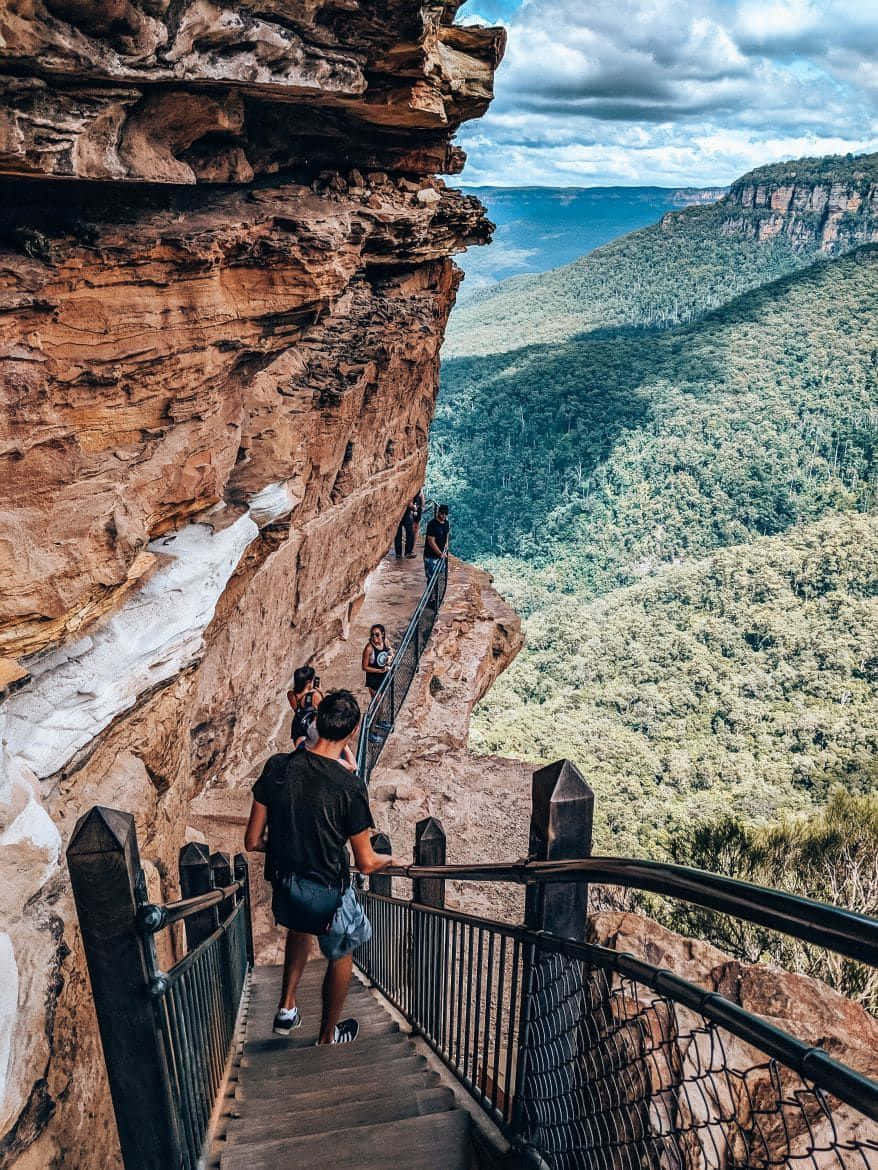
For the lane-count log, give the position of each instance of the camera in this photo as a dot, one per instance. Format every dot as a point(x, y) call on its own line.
point(316, 681)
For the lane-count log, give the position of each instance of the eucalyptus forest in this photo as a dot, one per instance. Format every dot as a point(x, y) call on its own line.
point(667, 455)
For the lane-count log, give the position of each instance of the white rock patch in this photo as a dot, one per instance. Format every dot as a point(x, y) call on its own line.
point(77, 690)
point(8, 1012)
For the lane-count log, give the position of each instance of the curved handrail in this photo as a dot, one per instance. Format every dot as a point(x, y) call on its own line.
point(844, 931)
point(810, 1061)
point(434, 589)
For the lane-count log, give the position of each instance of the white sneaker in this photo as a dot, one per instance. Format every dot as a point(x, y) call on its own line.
point(285, 1020)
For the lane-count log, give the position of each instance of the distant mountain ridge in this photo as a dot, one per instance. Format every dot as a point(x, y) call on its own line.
point(666, 453)
point(774, 221)
point(831, 203)
point(539, 228)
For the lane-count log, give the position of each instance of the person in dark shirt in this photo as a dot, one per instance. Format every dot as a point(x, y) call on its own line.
point(306, 808)
point(436, 540)
point(377, 657)
point(304, 699)
point(408, 526)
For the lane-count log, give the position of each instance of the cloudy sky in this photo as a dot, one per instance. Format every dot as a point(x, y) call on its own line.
point(672, 92)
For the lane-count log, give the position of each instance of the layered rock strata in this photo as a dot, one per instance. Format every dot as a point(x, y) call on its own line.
point(834, 216)
point(224, 280)
point(146, 90)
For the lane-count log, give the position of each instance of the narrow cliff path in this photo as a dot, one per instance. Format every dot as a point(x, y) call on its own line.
point(392, 594)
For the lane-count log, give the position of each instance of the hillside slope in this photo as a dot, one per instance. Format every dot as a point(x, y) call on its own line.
point(774, 221)
point(600, 459)
point(743, 683)
point(537, 228)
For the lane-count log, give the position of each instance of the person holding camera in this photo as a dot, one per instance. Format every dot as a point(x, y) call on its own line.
point(377, 657)
point(304, 698)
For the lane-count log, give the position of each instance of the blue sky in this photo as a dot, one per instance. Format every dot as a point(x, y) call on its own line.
point(672, 92)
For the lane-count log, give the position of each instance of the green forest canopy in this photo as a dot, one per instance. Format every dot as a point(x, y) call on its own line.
point(667, 454)
point(670, 273)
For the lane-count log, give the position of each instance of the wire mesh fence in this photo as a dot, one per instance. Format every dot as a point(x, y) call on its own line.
point(619, 1076)
point(380, 717)
point(587, 1065)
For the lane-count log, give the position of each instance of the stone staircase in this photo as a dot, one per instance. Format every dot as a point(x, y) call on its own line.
point(368, 1104)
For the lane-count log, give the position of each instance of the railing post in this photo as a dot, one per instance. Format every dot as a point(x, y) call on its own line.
point(555, 996)
point(221, 867)
point(242, 874)
point(104, 866)
point(380, 883)
point(562, 816)
point(196, 877)
point(429, 930)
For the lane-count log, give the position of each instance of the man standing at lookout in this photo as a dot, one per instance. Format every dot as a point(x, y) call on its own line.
point(306, 808)
point(436, 540)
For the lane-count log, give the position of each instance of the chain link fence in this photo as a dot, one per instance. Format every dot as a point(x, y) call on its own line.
point(589, 1059)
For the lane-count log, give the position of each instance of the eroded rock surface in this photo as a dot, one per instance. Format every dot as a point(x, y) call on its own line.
point(217, 92)
point(224, 279)
point(834, 216)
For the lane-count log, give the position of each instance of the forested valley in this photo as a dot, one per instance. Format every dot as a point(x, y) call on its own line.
point(667, 455)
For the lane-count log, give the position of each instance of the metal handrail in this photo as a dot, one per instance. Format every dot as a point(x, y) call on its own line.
point(843, 931)
point(152, 918)
point(811, 1061)
point(430, 590)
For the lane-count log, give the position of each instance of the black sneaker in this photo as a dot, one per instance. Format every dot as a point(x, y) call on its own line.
point(346, 1031)
point(285, 1021)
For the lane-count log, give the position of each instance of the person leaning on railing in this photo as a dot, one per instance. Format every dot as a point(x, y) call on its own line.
point(436, 540)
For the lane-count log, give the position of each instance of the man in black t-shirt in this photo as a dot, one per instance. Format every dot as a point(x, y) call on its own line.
point(306, 808)
point(436, 540)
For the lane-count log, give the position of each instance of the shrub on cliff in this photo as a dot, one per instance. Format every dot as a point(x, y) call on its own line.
point(830, 855)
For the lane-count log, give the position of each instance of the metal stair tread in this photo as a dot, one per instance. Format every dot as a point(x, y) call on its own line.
point(289, 1081)
point(299, 1039)
point(408, 1144)
point(370, 1049)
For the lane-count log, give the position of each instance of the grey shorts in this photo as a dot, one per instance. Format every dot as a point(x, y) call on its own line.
point(349, 929)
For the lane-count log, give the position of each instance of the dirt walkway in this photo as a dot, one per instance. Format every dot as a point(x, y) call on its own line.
point(392, 594)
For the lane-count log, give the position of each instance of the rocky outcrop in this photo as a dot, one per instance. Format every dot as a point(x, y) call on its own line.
point(807, 207)
point(206, 91)
point(772, 1117)
point(224, 279)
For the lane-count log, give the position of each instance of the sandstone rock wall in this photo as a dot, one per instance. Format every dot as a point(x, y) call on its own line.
point(834, 216)
point(224, 280)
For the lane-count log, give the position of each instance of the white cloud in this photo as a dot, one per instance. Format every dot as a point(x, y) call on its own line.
point(675, 91)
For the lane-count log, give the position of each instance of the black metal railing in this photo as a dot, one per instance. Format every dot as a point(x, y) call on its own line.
point(381, 714)
point(166, 1035)
point(586, 1056)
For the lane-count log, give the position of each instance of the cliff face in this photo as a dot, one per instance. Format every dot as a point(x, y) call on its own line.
point(224, 280)
point(808, 209)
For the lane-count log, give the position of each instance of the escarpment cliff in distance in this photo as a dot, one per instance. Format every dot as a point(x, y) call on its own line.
point(774, 221)
point(224, 279)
